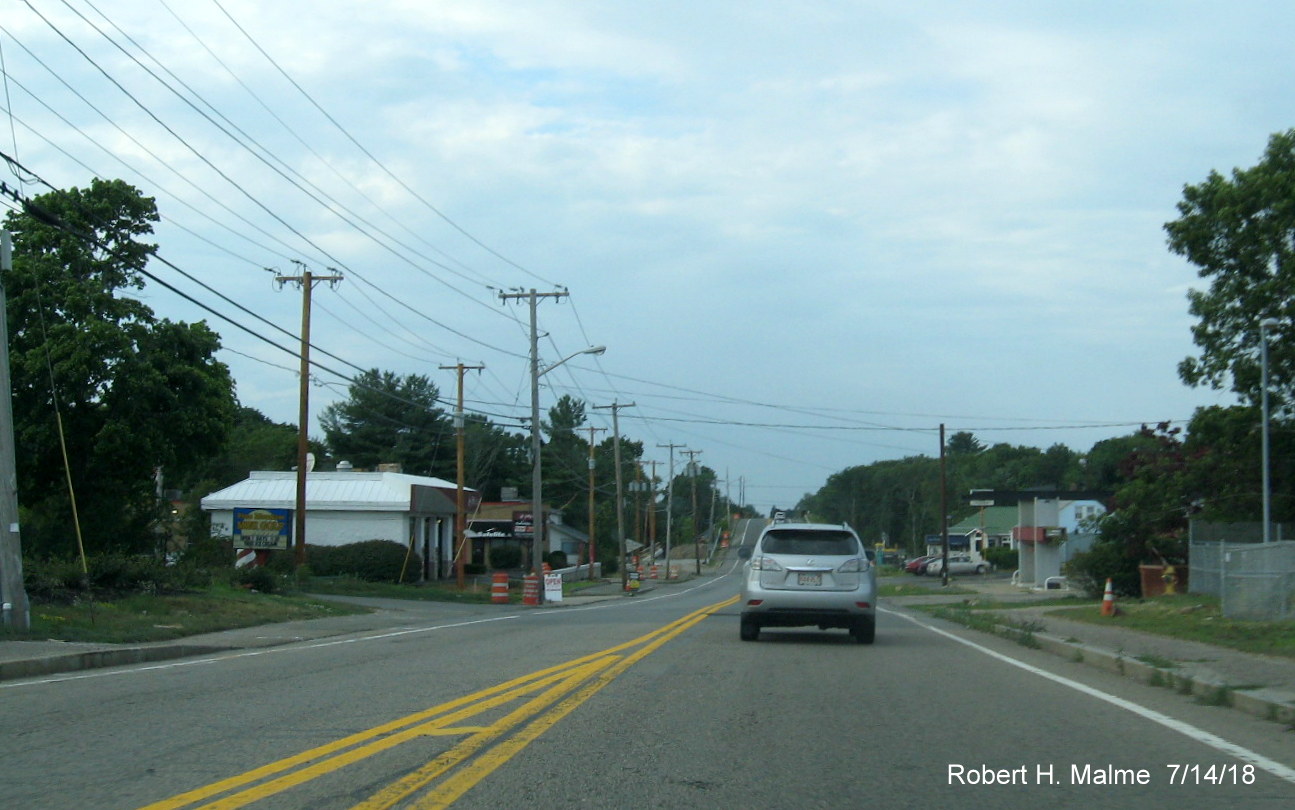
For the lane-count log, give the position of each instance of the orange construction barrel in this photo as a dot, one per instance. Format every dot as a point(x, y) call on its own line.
point(499, 588)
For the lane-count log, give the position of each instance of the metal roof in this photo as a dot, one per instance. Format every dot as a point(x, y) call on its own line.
point(347, 490)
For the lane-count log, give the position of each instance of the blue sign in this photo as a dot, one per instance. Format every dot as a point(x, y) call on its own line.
point(262, 528)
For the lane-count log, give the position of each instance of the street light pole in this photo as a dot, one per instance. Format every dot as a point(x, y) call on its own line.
point(537, 499)
point(1264, 325)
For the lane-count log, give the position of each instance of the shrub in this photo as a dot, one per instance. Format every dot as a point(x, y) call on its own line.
point(370, 560)
point(503, 557)
point(109, 575)
point(256, 577)
point(1105, 560)
point(212, 553)
point(557, 559)
point(1004, 559)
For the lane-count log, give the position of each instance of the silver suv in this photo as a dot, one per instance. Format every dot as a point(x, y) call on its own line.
point(800, 574)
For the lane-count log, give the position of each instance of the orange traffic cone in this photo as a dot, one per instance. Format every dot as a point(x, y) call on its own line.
point(1108, 600)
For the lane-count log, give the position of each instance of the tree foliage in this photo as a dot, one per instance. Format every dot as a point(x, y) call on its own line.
point(898, 500)
point(391, 419)
point(1239, 231)
point(135, 393)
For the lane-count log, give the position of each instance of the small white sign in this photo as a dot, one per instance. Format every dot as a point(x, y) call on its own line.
point(552, 587)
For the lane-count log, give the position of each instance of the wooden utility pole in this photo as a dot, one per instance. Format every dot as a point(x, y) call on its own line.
point(669, 506)
point(593, 544)
point(944, 515)
point(538, 523)
point(460, 519)
point(652, 510)
point(692, 473)
point(306, 281)
point(17, 612)
point(615, 408)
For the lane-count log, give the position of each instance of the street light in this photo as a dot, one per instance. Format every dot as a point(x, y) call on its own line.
point(1264, 325)
point(537, 500)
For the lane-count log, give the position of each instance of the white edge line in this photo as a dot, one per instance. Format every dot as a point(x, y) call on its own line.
point(1214, 741)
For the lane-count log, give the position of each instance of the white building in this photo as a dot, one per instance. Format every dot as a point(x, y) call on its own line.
point(346, 506)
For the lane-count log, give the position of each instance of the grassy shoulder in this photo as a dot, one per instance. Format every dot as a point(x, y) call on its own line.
point(891, 589)
point(1190, 617)
point(146, 617)
point(1194, 617)
point(142, 617)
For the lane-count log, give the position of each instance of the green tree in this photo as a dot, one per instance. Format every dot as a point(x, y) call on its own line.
point(566, 460)
point(494, 457)
point(963, 443)
point(135, 394)
point(1239, 231)
point(254, 442)
point(391, 419)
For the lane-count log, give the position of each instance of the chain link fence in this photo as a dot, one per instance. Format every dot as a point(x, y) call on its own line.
point(1253, 580)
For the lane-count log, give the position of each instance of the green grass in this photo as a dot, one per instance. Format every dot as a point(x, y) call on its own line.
point(476, 590)
point(921, 590)
point(1194, 617)
point(1022, 632)
point(142, 617)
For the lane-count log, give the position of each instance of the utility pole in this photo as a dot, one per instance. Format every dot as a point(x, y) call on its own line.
point(306, 281)
point(637, 489)
point(728, 501)
point(669, 506)
point(13, 594)
point(615, 408)
point(652, 510)
point(460, 518)
point(593, 544)
point(692, 474)
point(944, 515)
point(537, 497)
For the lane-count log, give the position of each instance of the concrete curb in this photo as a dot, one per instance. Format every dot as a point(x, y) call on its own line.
point(94, 659)
point(1267, 704)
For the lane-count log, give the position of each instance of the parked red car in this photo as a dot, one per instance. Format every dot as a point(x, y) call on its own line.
point(917, 565)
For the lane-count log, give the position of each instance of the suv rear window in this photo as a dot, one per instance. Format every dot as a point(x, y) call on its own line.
point(823, 543)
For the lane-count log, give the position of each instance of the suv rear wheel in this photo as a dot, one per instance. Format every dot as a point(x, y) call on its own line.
point(864, 631)
point(750, 630)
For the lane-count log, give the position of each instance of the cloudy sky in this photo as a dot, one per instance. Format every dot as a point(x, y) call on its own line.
point(808, 233)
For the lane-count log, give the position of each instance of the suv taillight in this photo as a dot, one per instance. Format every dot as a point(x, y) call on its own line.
point(765, 564)
point(855, 566)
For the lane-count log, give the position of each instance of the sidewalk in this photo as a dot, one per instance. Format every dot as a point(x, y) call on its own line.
point(1261, 685)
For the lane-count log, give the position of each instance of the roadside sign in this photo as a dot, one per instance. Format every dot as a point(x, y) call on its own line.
point(552, 587)
point(262, 528)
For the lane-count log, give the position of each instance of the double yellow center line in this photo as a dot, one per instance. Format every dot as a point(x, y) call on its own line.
point(547, 696)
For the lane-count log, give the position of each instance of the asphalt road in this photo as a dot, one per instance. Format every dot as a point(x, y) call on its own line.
point(644, 702)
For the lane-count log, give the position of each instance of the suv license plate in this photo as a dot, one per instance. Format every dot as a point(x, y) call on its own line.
point(809, 579)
